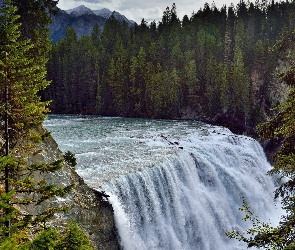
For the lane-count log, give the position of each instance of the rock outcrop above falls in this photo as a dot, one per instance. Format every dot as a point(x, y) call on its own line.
point(95, 216)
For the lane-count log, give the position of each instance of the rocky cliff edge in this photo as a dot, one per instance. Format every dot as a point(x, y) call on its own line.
point(95, 216)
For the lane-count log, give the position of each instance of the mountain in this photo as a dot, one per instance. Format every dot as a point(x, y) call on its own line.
point(81, 10)
point(104, 13)
point(121, 18)
point(82, 19)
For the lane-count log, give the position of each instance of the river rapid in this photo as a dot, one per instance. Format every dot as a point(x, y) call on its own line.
point(173, 184)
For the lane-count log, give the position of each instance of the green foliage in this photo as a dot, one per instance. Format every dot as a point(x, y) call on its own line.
point(280, 127)
point(22, 76)
point(23, 48)
point(210, 61)
point(17, 241)
point(260, 234)
point(70, 158)
point(73, 239)
point(45, 241)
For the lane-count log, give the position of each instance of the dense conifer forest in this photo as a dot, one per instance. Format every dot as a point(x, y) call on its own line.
point(216, 65)
point(24, 222)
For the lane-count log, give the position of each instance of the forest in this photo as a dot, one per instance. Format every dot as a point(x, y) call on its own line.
point(216, 66)
point(24, 222)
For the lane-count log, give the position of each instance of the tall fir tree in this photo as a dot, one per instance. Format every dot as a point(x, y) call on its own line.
point(21, 78)
point(211, 37)
point(280, 128)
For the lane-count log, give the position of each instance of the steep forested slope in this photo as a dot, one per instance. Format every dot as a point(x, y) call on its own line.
point(217, 65)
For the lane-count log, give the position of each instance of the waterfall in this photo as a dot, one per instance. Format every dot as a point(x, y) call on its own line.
point(174, 185)
point(191, 199)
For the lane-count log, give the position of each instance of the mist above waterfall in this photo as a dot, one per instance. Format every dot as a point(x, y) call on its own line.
point(172, 184)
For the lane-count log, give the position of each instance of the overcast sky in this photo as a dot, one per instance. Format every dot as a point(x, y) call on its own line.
point(150, 10)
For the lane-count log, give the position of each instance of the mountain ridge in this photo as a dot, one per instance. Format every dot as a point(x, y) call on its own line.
point(80, 10)
point(82, 20)
point(106, 13)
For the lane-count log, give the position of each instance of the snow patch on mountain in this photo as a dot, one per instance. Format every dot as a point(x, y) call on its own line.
point(80, 10)
point(119, 17)
point(106, 13)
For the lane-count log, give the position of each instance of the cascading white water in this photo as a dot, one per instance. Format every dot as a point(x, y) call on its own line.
point(192, 199)
point(187, 187)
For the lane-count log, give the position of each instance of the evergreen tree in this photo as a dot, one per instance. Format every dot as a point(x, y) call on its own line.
point(71, 238)
point(156, 87)
point(235, 85)
point(21, 78)
point(74, 239)
point(46, 240)
point(281, 127)
point(238, 37)
point(96, 36)
point(191, 80)
point(213, 73)
point(137, 79)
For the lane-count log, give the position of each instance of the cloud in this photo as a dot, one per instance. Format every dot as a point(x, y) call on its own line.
point(150, 10)
point(92, 1)
point(149, 14)
point(92, 4)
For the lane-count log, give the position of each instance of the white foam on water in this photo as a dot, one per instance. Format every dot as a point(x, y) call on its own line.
point(173, 184)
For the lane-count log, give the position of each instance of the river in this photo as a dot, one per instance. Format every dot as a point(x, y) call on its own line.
point(173, 184)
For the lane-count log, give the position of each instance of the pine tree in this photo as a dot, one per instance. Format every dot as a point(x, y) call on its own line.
point(46, 240)
point(21, 78)
point(73, 239)
point(137, 79)
point(211, 36)
point(96, 36)
point(213, 72)
point(191, 81)
point(235, 84)
point(280, 128)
